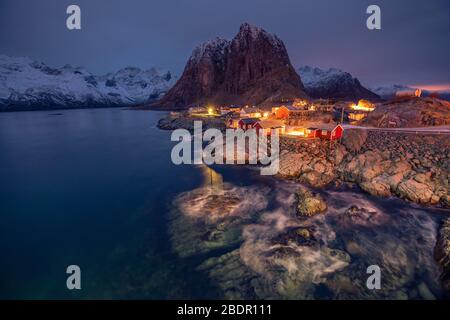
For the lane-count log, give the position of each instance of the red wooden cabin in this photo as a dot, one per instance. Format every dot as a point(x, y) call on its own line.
point(247, 123)
point(333, 132)
point(266, 126)
point(284, 112)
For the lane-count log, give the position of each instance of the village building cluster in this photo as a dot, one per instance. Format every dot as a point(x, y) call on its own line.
point(297, 119)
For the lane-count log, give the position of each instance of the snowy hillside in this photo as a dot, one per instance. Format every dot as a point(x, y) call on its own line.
point(388, 91)
point(26, 85)
point(333, 83)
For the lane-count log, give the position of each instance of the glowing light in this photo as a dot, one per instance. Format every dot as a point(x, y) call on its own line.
point(296, 132)
point(363, 105)
point(300, 103)
point(210, 111)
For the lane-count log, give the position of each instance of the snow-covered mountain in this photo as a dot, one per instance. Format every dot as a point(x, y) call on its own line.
point(27, 85)
point(333, 83)
point(388, 91)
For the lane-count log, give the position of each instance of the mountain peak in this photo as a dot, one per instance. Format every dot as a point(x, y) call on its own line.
point(249, 29)
point(333, 83)
point(248, 32)
point(210, 48)
point(254, 68)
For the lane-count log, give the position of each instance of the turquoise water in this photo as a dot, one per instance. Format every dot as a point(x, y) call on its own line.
point(96, 188)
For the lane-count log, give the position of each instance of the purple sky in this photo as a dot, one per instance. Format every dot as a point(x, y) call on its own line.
point(412, 47)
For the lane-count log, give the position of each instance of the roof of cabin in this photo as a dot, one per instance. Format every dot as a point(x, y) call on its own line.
point(292, 108)
point(250, 110)
point(249, 120)
point(266, 124)
point(327, 126)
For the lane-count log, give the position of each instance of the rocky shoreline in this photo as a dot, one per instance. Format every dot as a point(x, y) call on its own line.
point(173, 122)
point(412, 167)
point(415, 168)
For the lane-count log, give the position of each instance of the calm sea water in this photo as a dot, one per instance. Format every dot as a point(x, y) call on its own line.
point(94, 188)
point(89, 187)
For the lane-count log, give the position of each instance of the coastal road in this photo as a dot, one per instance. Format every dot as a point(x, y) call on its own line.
point(421, 130)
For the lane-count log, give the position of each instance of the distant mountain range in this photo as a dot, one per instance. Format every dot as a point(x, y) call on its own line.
point(388, 91)
point(28, 85)
point(252, 68)
point(333, 83)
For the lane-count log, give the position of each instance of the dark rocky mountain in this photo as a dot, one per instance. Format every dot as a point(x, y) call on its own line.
point(333, 84)
point(253, 68)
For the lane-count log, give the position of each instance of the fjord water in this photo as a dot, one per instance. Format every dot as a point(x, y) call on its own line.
point(94, 188)
point(90, 188)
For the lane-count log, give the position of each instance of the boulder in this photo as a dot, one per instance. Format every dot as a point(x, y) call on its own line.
point(340, 154)
point(316, 179)
point(354, 139)
point(309, 203)
point(290, 164)
point(415, 191)
point(377, 187)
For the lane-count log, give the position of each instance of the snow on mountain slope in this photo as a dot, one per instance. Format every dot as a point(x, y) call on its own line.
point(333, 83)
point(26, 85)
point(135, 85)
point(388, 91)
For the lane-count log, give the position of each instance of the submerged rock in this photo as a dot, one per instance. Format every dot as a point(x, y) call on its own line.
point(299, 236)
point(309, 204)
point(204, 220)
point(355, 215)
point(232, 276)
